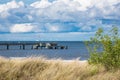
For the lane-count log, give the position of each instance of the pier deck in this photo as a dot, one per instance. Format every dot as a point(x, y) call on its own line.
point(35, 45)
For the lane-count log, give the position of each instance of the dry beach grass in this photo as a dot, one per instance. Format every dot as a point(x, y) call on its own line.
point(42, 69)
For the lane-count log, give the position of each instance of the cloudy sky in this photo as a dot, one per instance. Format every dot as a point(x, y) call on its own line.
point(61, 20)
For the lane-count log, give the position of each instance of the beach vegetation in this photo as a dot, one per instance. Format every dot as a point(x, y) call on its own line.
point(42, 69)
point(104, 48)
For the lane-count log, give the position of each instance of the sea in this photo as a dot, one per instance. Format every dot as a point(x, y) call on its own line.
point(75, 50)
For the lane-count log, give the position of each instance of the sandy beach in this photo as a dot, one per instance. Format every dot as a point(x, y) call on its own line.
point(52, 60)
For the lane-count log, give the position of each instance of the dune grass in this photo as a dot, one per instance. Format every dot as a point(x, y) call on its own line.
point(42, 69)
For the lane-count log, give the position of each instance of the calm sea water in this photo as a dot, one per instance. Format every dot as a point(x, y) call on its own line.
point(75, 50)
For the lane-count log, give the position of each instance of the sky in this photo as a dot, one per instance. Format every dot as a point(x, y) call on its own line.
point(56, 20)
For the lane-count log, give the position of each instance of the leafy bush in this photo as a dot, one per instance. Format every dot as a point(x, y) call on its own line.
point(104, 48)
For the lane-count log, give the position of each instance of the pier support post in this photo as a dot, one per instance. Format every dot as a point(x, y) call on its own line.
point(20, 47)
point(7, 46)
point(66, 47)
point(23, 46)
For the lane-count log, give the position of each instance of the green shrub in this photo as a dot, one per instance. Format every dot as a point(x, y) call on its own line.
point(109, 43)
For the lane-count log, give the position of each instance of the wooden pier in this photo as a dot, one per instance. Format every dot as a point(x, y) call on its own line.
point(34, 45)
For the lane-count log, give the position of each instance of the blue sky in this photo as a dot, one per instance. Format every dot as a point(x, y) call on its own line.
point(56, 20)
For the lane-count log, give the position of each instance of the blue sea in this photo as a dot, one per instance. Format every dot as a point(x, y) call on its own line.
point(76, 49)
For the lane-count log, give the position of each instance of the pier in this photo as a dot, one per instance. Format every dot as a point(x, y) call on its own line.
point(34, 45)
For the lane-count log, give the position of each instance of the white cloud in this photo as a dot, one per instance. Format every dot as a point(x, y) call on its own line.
point(4, 8)
point(41, 4)
point(4, 14)
point(53, 28)
point(84, 4)
point(77, 9)
point(10, 5)
point(29, 17)
point(21, 28)
point(58, 15)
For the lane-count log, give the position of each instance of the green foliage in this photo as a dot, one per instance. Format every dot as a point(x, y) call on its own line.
point(109, 42)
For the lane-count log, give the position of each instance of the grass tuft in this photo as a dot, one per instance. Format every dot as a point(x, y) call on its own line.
point(41, 69)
